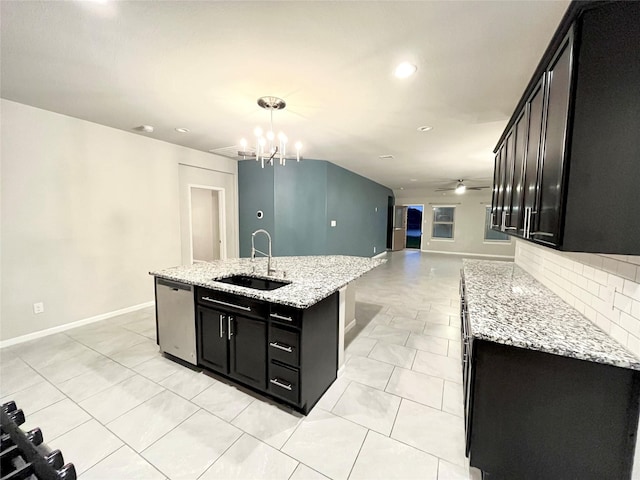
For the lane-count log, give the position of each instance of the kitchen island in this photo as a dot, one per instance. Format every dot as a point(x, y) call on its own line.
point(547, 393)
point(281, 335)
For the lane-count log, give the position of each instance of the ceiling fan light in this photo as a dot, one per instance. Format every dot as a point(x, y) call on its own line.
point(460, 189)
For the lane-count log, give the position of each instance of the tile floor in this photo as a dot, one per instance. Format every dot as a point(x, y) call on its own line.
point(117, 409)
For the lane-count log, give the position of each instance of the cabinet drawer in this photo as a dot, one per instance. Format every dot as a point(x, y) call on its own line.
point(284, 345)
point(284, 382)
point(286, 315)
point(232, 303)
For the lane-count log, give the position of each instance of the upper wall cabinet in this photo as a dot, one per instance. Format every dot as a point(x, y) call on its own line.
point(567, 167)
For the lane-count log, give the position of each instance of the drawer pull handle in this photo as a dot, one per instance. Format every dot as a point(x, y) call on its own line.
point(280, 317)
point(285, 348)
point(276, 381)
point(220, 302)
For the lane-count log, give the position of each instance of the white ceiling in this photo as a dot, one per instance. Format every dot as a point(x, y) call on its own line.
point(203, 64)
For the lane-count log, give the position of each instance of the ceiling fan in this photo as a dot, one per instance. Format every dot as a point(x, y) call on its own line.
point(460, 188)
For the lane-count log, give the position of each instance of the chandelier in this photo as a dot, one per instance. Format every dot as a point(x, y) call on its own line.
point(268, 146)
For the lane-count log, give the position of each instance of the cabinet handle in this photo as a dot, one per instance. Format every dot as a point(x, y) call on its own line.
point(510, 228)
point(544, 234)
point(276, 381)
point(229, 333)
point(221, 327)
point(284, 348)
point(280, 317)
point(220, 302)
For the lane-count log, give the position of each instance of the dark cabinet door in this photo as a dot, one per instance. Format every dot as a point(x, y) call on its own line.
point(248, 350)
point(212, 339)
point(507, 178)
point(515, 220)
point(552, 165)
point(495, 211)
point(534, 107)
point(500, 171)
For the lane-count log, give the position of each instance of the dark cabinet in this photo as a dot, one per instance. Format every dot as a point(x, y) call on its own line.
point(286, 352)
point(248, 351)
point(571, 184)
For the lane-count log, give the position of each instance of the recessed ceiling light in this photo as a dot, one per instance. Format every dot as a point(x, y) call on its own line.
point(425, 128)
point(413, 179)
point(144, 128)
point(385, 157)
point(182, 130)
point(405, 69)
point(401, 188)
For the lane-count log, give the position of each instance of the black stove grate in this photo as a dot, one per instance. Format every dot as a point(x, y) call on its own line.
point(23, 456)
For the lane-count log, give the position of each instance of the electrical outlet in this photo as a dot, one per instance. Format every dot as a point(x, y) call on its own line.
point(38, 307)
point(333, 223)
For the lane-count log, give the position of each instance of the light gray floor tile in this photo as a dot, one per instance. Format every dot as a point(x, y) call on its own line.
point(117, 342)
point(400, 310)
point(86, 445)
point(251, 458)
point(447, 368)
point(333, 393)
point(368, 372)
point(428, 343)
point(405, 323)
point(146, 423)
point(361, 346)
point(368, 407)
point(452, 401)
point(305, 473)
point(442, 331)
point(327, 443)
point(416, 386)
point(455, 349)
point(158, 368)
point(271, 424)
point(69, 368)
point(388, 334)
point(120, 398)
point(56, 419)
point(137, 354)
point(437, 318)
point(123, 464)
point(225, 401)
point(393, 354)
point(447, 309)
point(101, 375)
point(384, 458)
point(430, 430)
point(449, 471)
point(53, 354)
point(192, 447)
point(16, 375)
point(35, 397)
point(187, 383)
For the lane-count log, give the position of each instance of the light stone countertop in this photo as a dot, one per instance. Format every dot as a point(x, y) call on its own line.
point(507, 305)
point(312, 278)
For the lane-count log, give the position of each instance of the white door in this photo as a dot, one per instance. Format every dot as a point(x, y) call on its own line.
point(208, 217)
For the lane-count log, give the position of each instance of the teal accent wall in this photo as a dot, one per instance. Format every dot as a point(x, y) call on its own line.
point(301, 199)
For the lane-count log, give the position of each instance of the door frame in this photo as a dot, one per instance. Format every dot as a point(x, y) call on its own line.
point(406, 221)
point(222, 248)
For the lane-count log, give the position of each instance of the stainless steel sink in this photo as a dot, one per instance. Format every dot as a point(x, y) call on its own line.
point(253, 282)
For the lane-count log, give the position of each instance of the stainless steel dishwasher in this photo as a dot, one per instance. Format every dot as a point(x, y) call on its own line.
point(176, 319)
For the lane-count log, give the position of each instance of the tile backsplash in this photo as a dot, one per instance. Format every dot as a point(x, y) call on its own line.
point(604, 288)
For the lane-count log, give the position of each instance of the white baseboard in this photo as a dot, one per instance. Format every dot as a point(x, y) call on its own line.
point(380, 255)
point(69, 326)
point(350, 325)
point(468, 254)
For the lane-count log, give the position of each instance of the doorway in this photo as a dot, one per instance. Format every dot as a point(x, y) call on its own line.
point(414, 226)
point(206, 221)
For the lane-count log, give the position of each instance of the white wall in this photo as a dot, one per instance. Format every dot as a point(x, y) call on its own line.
point(87, 211)
point(469, 223)
point(604, 288)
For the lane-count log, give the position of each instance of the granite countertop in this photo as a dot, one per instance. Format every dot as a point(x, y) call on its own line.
point(312, 278)
point(507, 305)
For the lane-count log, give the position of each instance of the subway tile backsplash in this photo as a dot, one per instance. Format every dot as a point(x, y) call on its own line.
point(604, 288)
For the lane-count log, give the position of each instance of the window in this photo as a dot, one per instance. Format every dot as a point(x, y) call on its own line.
point(443, 223)
point(492, 235)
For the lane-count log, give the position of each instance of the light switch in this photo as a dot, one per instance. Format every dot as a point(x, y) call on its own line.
point(333, 223)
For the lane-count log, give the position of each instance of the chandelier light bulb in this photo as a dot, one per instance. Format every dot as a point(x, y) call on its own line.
point(282, 137)
point(243, 144)
point(262, 142)
point(270, 136)
point(257, 132)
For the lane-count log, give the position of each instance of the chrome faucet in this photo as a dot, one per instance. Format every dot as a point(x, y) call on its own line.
point(254, 250)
